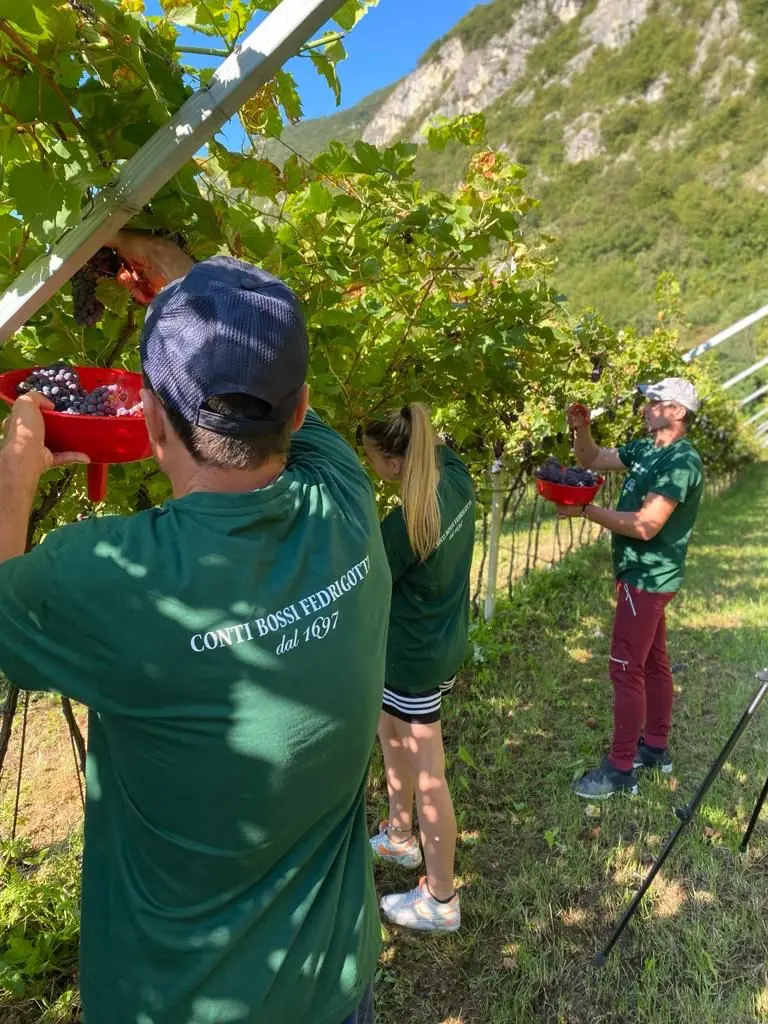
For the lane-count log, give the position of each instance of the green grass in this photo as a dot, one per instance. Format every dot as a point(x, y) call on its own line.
point(39, 910)
point(542, 880)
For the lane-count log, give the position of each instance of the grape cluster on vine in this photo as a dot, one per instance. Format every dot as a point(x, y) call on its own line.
point(552, 471)
point(87, 308)
point(61, 384)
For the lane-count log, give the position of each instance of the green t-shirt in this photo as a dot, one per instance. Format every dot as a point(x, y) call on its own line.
point(674, 471)
point(231, 648)
point(430, 600)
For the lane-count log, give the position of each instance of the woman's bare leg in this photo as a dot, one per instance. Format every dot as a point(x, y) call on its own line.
point(401, 781)
point(437, 820)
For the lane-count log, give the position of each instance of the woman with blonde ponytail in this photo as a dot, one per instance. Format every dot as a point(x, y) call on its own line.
point(429, 539)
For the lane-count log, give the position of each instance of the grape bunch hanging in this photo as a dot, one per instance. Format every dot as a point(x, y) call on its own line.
point(87, 309)
point(61, 384)
point(555, 473)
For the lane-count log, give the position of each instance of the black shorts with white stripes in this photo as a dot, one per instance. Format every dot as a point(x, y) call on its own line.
point(416, 707)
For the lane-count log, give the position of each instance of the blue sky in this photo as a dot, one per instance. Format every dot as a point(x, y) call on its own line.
point(385, 46)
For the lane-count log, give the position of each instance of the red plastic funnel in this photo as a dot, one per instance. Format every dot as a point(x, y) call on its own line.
point(104, 439)
point(565, 495)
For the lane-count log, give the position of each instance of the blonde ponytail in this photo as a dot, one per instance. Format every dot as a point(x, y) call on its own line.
point(421, 508)
point(408, 435)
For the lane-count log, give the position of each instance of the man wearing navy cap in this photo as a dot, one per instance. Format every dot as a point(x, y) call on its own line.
point(230, 645)
point(651, 527)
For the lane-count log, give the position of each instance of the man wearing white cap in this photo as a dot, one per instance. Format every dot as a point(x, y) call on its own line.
point(651, 527)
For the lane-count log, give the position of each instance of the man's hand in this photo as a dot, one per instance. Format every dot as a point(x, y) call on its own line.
point(577, 416)
point(151, 262)
point(584, 447)
point(24, 442)
point(23, 459)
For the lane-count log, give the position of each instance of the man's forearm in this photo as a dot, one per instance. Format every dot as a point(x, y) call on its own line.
point(17, 496)
point(628, 524)
point(584, 447)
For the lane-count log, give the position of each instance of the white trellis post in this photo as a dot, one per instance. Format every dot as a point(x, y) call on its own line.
point(494, 538)
point(253, 64)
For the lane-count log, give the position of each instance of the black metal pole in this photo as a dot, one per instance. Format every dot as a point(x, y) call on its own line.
point(685, 814)
point(753, 819)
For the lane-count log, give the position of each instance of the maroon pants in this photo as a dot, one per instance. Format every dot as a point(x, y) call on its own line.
point(640, 673)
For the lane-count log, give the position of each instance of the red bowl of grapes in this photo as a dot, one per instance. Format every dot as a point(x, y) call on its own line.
point(567, 486)
point(98, 413)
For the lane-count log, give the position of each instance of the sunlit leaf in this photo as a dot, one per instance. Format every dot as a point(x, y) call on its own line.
point(350, 13)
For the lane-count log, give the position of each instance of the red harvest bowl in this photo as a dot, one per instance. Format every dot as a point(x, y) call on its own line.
point(104, 439)
point(562, 494)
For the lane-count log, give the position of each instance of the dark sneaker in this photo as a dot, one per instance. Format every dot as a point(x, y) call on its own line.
point(604, 781)
point(647, 758)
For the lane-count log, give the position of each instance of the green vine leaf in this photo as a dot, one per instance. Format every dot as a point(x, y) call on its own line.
point(350, 13)
point(46, 204)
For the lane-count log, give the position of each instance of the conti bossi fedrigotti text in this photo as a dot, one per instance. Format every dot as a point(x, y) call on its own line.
point(309, 618)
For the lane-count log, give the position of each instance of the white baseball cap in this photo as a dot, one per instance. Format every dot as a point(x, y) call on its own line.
point(672, 389)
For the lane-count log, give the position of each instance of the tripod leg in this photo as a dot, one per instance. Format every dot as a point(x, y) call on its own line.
point(603, 955)
point(686, 814)
point(753, 819)
point(74, 731)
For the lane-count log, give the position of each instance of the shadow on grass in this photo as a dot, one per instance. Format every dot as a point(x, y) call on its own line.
point(545, 876)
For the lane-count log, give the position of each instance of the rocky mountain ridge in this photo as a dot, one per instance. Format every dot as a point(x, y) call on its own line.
point(644, 128)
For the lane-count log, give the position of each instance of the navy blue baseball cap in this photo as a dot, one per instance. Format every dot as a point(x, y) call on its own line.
point(226, 328)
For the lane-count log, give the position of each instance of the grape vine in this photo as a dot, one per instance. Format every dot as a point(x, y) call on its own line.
point(410, 294)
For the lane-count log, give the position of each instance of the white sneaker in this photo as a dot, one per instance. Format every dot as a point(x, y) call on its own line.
point(407, 855)
point(418, 909)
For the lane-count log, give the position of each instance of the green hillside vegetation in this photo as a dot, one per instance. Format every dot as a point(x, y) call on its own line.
point(312, 137)
point(621, 222)
point(675, 185)
point(477, 28)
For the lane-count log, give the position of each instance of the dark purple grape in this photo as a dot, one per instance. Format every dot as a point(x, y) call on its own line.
point(553, 472)
point(86, 308)
point(61, 384)
point(57, 382)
